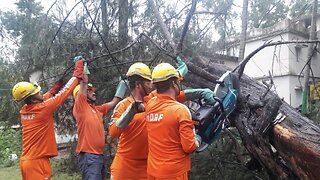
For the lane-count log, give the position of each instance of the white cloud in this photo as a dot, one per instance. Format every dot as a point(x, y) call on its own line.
point(6, 5)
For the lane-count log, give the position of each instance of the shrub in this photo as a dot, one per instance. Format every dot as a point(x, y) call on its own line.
point(10, 146)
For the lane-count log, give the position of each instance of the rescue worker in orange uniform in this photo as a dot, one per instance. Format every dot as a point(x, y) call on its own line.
point(38, 138)
point(91, 136)
point(171, 133)
point(128, 123)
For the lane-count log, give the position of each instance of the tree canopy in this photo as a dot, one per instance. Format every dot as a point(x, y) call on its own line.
point(112, 35)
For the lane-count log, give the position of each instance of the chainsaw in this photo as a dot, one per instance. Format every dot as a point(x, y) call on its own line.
point(210, 120)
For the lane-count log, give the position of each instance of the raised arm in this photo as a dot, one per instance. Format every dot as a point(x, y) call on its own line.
point(54, 102)
point(55, 89)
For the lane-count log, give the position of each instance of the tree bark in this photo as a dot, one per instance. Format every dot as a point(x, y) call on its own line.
point(123, 22)
point(244, 19)
point(312, 36)
point(163, 26)
point(104, 17)
point(186, 26)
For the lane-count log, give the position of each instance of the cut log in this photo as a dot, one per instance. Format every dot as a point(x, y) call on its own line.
point(288, 150)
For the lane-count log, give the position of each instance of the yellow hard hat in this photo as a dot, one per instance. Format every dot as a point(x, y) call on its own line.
point(139, 69)
point(163, 72)
point(76, 89)
point(23, 90)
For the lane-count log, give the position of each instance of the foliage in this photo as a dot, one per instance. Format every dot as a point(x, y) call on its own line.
point(10, 143)
point(314, 113)
point(221, 161)
point(70, 164)
point(267, 13)
point(33, 31)
point(9, 110)
point(299, 8)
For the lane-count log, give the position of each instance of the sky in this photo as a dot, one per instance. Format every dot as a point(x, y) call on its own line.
point(6, 5)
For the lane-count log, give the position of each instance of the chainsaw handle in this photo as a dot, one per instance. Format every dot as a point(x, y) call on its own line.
point(219, 82)
point(220, 104)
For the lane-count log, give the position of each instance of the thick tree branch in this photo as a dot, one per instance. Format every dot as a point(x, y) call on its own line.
point(163, 26)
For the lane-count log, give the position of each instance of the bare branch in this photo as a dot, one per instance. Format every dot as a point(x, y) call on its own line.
point(266, 14)
point(186, 26)
point(55, 35)
point(243, 63)
point(54, 3)
point(209, 12)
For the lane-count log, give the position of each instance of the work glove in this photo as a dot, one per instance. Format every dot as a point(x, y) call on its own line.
point(127, 116)
point(182, 67)
point(198, 94)
point(57, 87)
point(121, 89)
point(197, 139)
point(80, 67)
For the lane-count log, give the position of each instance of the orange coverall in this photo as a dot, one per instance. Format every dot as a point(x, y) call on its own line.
point(131, 158)
point(38, 138)
point(91, 137)
point(130, 161)
point(170, 137)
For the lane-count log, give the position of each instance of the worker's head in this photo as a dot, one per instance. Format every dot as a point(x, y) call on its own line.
point(166, 77)
point(28, 92)
point(91, 95)
point(139, 77)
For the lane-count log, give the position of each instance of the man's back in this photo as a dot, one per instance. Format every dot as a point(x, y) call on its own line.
point(170, 136)
point(37, 132)
point(38, 138)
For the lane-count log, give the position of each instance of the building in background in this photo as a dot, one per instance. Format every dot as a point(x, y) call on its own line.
point(284, 62)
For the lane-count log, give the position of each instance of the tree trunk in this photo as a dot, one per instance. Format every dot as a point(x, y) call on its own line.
point(163, 26)
point(243, 36)
point(123, 22)
point(295, 151)
point(312, 36)
point(104, 17)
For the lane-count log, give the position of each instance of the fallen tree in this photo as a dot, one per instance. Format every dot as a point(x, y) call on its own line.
point(287, 150)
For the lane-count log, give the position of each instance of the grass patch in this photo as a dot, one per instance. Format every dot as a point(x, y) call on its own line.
point(13, 173)
point(10, 173)
point(64, 176)
point(59, 173)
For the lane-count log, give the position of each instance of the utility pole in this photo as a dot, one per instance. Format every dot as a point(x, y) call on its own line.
point(312, 36)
